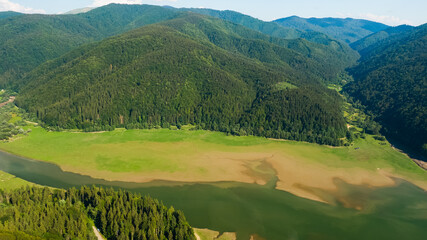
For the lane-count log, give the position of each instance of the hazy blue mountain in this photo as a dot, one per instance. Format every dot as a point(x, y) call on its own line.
point(375, 40)
point(269, 28)
point(379, 40)
point(79, 10)
point(348, 30)
point(29, 40)
point(324, 61)
point(9, 14)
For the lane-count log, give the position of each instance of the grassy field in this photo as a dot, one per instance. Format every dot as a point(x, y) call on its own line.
point(203, 156)
point(206, 234)
point(9, 182)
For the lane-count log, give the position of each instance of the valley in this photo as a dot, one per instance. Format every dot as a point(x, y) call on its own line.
point(197, 156)
point(167, 122)
point(247, 177)
point(251, 209)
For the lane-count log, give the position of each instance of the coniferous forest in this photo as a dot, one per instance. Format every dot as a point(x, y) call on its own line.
point(29, 40)
point(391, 80)
point(158, 76)
point(44, 213)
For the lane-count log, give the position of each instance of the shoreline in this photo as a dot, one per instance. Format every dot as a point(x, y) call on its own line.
point(420, 163)
point(136, 157)
point(289, 178)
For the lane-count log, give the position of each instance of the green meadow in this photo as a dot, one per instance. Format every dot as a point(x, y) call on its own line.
point(206, 234)
point(127, 153)
point(10, 182)
point(245, 209)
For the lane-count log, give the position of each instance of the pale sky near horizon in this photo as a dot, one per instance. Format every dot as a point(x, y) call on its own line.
point(391, 12)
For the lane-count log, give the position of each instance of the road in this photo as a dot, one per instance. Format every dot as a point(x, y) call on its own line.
point(98, 235)
point(11, 99)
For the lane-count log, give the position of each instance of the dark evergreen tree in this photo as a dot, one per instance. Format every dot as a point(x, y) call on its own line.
point(158, 76)
point(391, 80)
point(43, 213)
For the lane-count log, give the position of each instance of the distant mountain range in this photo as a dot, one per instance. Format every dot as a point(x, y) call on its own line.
point(346, 29)
point(9, 14)
point(30, 40)
point(368, 43)
point(80, 10)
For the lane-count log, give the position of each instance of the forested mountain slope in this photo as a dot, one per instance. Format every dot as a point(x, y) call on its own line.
point(367, 44)
point(29, 40)
point(9, 14)
point(157, 75)
point(348, 30)
point(80, 10)
point(320, 61)
point(270, 28)
point(392, 81)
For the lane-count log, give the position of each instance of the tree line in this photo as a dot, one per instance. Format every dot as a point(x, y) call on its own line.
point(158, 77)
point(44, 213)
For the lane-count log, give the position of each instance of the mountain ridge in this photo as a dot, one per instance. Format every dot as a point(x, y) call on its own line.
point(366, 44)
point(346, 29)
point(160, 77)
point(54, 35)
point(8, 14)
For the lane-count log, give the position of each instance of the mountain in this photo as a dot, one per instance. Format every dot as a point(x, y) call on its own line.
point(79, 10)
point(183, 72)
point(29, 40)
point(391, 80)
point(324, 62)
point(269, 28)
point(9, 14)
point(348, 30)
point(366, 44)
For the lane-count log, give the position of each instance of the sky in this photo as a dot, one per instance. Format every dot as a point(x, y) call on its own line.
point(390, 12)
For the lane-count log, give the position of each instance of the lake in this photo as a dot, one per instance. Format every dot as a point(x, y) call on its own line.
point(356, 212)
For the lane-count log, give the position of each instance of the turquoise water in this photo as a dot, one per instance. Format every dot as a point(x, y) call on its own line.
point(398, 212)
